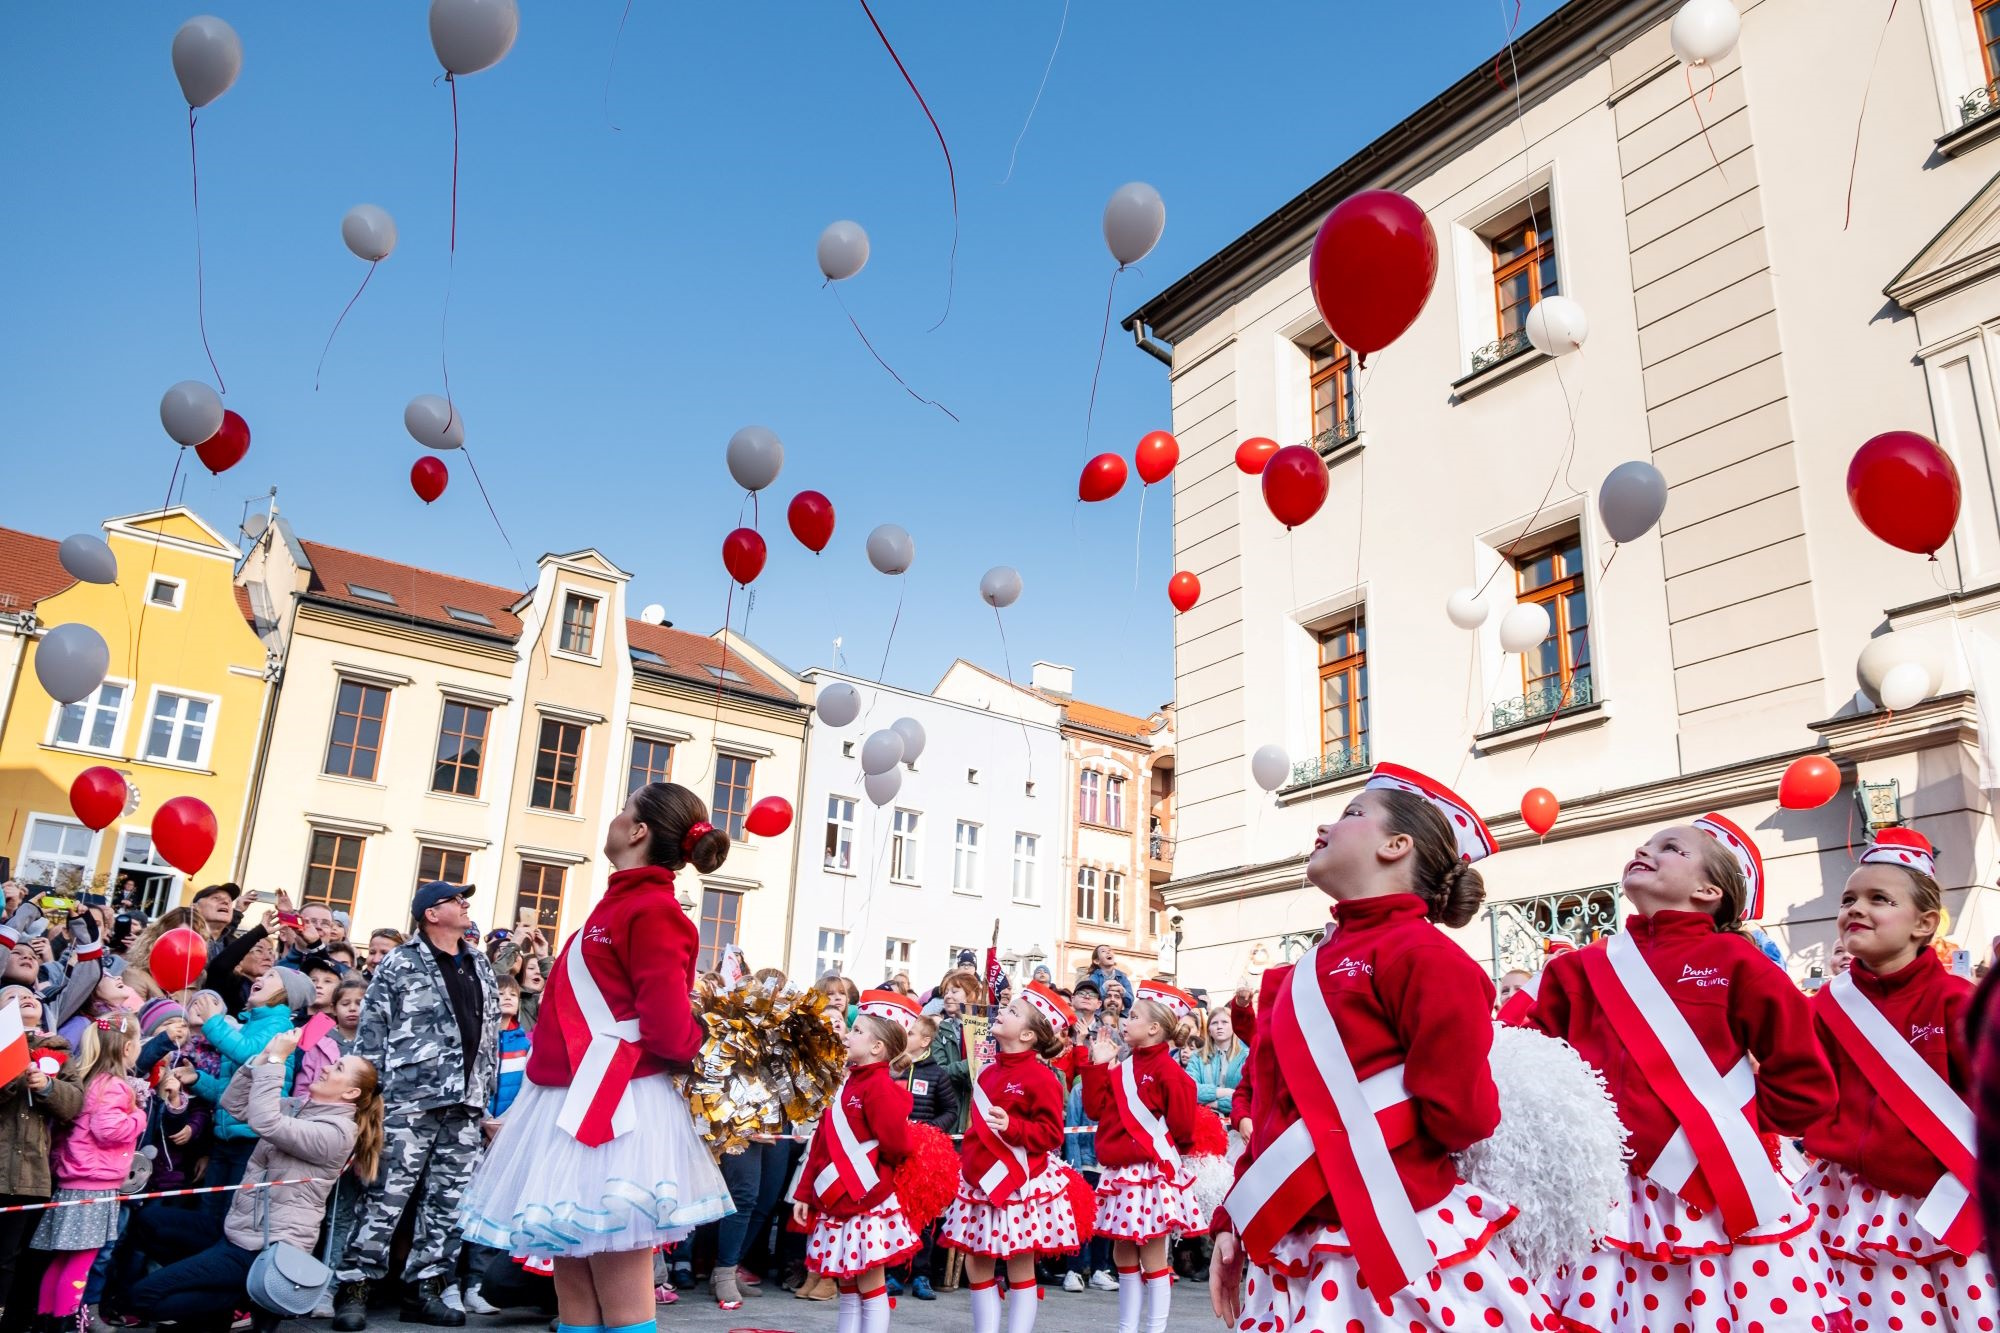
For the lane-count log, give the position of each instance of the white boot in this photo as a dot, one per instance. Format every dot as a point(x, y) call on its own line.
point(1023, 1304)
point(985, 1305)
point(1159, 1298)
point(1131, 1296)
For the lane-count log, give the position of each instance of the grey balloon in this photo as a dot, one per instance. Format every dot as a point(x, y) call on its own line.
point(882, 751)
point(882, 787)
point(755, 456)
point(1631, 500)
point(1133, 221)
point(70, 661)
point(890, 549)
point(1271, 766)
point(912, 732)
point(839, 704)
point(1001, 586)
point(842, 250)
point(88, 559)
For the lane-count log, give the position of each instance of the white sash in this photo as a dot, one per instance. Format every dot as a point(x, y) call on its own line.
point(606, 1033)
point(858, 1152)
point(997, 1173)
point(1145, 1121)
point(1293, 1149)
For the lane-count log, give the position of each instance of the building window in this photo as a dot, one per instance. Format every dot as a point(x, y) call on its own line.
point(156, 881)
point(92, 723)
point(1332, 391)
point(57, 851)
point(1343, 692)
point(1027, 888)
point(541, 893)
point(461, 743)
point(355, 747)
point(579, 624)
point(965, 858)
point(905, 859)
point(556, 762)
point(178, 733)
point(1524, 265)
point(333, 870)
point(840, 833)
point(1086, 894)
point(652, 761)
point(445, 863)
point(720, 912)
point(164, 592)
point(1089, 787)
point(832, 956)
point(1113, 899)
point(1986, 17)
point(1559, 666)
point(732, 793)
point(896, 957)
point(1114, 801)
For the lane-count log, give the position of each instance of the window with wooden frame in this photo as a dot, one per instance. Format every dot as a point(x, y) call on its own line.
point(1332, 388)
point(1552, 576)
point(1089, 788)
point(461, 745)
point(652, 761)
point(1343, 690)
point(1523, 243)
point(1112, 901)
point(333, 870)
point(356, 744)
point(1086, 894)
point(732, 793)
point(720, 911)
point(1986, 18)
point(541, 892)
point(556, 759)
point(579, 624)
point(445, 863)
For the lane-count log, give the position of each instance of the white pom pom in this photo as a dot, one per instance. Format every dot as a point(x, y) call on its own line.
point(1213, 1176)
point(1558, 1155)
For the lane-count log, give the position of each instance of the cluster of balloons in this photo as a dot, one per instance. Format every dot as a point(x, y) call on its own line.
point(194, 418)
point(883, 755)
point(1155, 458)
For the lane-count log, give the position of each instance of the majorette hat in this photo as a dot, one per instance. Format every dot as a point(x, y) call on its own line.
point(92, 952)
point(1903, 847)
point(1474, 839)
point(895, 1006)
point(9, 937)
point(1053, 1006)
point(1178, 1002)
point(1748, 858)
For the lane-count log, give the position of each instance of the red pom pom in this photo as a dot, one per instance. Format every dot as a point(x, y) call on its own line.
point(1082, 1202)
point(927, 1180)
point(1211, 1137)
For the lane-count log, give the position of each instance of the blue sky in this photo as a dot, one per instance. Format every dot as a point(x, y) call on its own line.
point(626, 298)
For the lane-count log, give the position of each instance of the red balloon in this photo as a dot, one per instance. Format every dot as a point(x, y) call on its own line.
point(178, 958)
point(98, 796)
point(769, 817)
point(1810, 782)
point(1183, 590)
point(1295, 484)
point(811, 517)
point(1156, 455)
point(428, 476)
point(1253, 453)
point(743, 555)
point(225, 449)
point(1539, 809)
point(1904, 489)
point(1373, 265)
point(184, 833)
point(1103, 477)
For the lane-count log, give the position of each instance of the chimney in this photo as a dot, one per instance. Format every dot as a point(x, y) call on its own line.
point(1053, 679)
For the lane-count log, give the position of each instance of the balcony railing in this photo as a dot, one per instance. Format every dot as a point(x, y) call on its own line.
point(1327, 441)
point(1338, 762)
point(1546, 700)
point(1501, 349)
point(1160, 847)
point(1520, 928)
point(1979, 104)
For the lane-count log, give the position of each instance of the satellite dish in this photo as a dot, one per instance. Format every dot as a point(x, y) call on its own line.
point(253, 526)
point(654, 614)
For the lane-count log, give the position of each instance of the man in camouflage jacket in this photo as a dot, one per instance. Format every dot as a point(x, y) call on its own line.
point(430, 1025)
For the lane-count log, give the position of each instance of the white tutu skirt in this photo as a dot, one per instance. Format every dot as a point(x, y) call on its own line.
point(1886, 1267)
point(540, 1192)
point(1142, 1202)
point(843, 1247)
point(1038, 1219)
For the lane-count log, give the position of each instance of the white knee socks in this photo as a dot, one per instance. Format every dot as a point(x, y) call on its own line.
point(985, 1305)
point(1130, 1295)
point(1022, 1305)
point(1159, 1298)
point(875, 1311)
point(849, 1320)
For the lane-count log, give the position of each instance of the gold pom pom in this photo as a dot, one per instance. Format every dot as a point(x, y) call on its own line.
point(771, 1061)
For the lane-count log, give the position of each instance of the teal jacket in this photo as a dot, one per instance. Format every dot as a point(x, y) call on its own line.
point(1215, 1079)
point(238, 1043)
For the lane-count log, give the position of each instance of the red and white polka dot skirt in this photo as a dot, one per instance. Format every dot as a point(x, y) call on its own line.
point(1036, 1219)
point(1139, 1203)
point(1313, 1284)
point(850, 1246)
point(1895, 1276)
point(1668, 1266)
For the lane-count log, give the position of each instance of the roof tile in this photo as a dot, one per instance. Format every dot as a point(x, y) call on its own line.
point(29, 569)
point(421, 594)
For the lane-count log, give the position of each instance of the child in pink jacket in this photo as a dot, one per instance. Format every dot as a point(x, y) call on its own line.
point(91, 1160)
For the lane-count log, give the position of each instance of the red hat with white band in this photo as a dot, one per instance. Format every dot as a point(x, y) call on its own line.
point(1053, 1006)
point(9, 936)
point(1475, 840)
point(1903, 847)
point(93, 952)
point(1748, 859)
point(1178, 1002)
point(894, 1006)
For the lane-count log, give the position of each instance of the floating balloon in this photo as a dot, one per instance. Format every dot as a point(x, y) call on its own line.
point(838, 704)
point(178, 958)
point(1295, 484)
point(890, 549)
point(471, 35)
point(1906, 686)
point(1526, 625)
point(70, 661)
point(1882, 655)
point(769, 817)
point(428, 477)
point(811, 517)
point(87, 558)
point(1557, 326)
point(208, 55)
point(1705, 31)
point(1000, 586)
point(1373, 265)
point(882, 787)
point(1156, 455)
point(882, 751)
point(1133, 221)
point(1253, 454)
point(434, 423)
point(1631, 500)
point(225, 449)
point(743, 555)
point(1271, 767)
point(191, 412)
point(1539, 810)
point(1183, 590)
point(1103, 477)
point(369, 232)
point(97, 796)
point(843, 250)
point(754, 457)
point(912, 732)
point(1904, 489)
point(184, 833)
point(1809, 782)
point(1464, 609)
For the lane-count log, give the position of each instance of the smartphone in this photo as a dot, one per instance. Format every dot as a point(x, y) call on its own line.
point(524, 918)
point(290, 920)
point(1961, 962)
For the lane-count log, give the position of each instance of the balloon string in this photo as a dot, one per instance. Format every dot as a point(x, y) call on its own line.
point(612, 68)
point(200, 275)
point(835, 288)
point(1694, 101)
point(1616, 547)
point(1007, 659)
point(152, 561)
point(1855, 165)
point(1512, 27)
point(950, 171)
point(901, 587)
point(450, 272)
point(519, 568)
point(342, 320)
point(1103, 336)
point(1060, 29)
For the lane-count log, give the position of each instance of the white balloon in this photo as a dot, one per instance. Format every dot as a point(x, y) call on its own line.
point(87, 558)
point(1906, 686)
point(1000, 586)
point(434, 423)
point(843, 250)
point(471, 35)
point(1133, 221)
point(70, 661)
point(882, 787)
point(1631, 500)
point(1524, 627)
point(1464, 609)
point(882, 751)
point(1882, 655)
point(1271, 766)
point(912, 732)
point(754, 456)
point(839, 704)
point(191, 412)
point(1557, 325)
point(890, 549)
point(1705, 31)
point(208, 55)
point(369, 232)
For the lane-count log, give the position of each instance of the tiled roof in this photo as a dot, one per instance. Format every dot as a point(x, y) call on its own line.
point(1097, 718)
point(419, 594)
point(29, 569)
point(689, 656)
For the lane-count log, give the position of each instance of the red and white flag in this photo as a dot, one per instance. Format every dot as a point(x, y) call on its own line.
point(13, 1044)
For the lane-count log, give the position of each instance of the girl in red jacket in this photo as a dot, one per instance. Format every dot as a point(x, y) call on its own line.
point(1012, 1199)
point(1702, 1042)
point(1145, 1109)
point(1368, 1072)
point(847, 1192)
point(1893, 1186)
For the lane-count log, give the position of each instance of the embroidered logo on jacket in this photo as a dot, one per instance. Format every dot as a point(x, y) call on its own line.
point(596, 935)
point(1702, 976)
point(1014, 1090)
point(1352, 967)
point(1923, 1032)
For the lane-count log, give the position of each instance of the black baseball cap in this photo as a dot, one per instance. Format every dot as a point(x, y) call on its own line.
point(226, 890)
point(436, 892)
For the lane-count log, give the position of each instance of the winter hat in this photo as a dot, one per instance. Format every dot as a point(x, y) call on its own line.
point(157, 1014)
point(298, 990)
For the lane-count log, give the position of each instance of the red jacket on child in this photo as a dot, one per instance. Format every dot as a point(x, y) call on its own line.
point(1032, 1096)
point(878, 1108)
point(1164, 1088)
